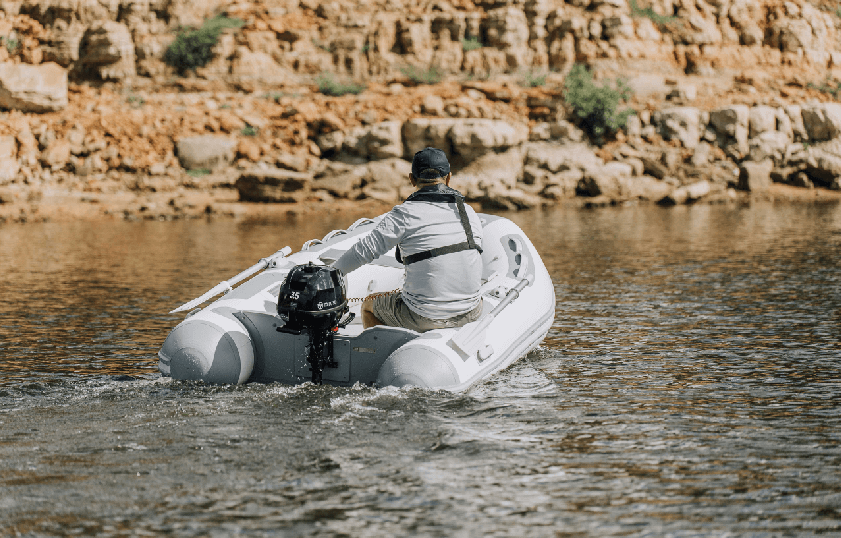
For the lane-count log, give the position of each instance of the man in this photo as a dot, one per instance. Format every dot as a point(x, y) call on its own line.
point(439, 241)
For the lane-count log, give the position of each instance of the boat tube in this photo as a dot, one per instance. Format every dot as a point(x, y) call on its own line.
point(242, 336)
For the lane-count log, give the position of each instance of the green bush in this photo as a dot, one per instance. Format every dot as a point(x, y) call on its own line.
point(649, 13)
point(534, 79)
point(198, 172)
point(193, 48)
point(330, 86)
point(433, 75)
point(10, 43)
point(471, 43)
point(249, 130)
point(596, 106)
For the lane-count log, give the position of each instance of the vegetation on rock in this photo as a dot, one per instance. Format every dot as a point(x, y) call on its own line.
point(193, 48)
point(330, 86)
point(649, 13)
point(829, 87)
point(471, 43)
point(432, 75)
point(595, 106)
point(534, 79)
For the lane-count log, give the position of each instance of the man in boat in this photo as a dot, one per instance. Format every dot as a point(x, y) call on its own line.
point(439, 241)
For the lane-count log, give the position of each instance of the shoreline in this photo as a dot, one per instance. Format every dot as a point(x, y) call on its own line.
point(56, 205)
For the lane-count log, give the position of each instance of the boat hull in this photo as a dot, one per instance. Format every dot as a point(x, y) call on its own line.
point(236, 339)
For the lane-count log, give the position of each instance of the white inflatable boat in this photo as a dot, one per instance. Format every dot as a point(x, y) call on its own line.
point(240, 337)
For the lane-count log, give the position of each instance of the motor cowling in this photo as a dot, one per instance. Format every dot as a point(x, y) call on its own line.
point(312, 300)
point(312, 296)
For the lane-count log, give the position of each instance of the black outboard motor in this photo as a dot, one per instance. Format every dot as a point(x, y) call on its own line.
point(312, 300)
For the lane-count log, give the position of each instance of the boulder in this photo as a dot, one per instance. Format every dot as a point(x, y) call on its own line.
point(599, 185)
point(273, 185)
point(493, 171)
point(385, 180)
point(379, 141)
point(9, 169)
point(56, 154)
point(731, 126)
point(559, 157)
point(248, 148)
point(562, 185)
point(687, 193)
point(822, 121)
point(648, 188)
point(609, 180)
point(565, 131)
point(762, 119)
point(509, 199)
point(472, 138)
point(790, 35)
point(9, 164)
point(206, 151)
point(108, 49)
point(506, 28)
point(419, 133)
point(755, 176)
point(823, 163)
point(8, 147)
point(33, 88)
point(681, 123)
point(291, 161)
point(795, 116)
point(340, 179)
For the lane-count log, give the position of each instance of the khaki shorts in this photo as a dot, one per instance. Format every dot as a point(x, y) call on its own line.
point(391, 310)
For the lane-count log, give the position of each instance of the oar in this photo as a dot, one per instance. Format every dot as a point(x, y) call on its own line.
point(471, 337)
point(227, 285)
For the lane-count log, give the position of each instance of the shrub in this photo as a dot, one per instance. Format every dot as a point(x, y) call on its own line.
point(10, 43)
point(533, 79)
point(198, 172)
point(649, 13)
point(135, 100)
point(193, 48)
point(330, 86)
point(827, 87)
point(595, 106)
point(433, 75)
point(471, 43)
point(249, 130)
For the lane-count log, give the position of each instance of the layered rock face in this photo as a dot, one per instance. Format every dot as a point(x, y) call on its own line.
point(115, 39)
point(727, 96)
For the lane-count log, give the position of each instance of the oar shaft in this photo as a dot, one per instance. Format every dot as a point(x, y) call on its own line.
point(227, 285)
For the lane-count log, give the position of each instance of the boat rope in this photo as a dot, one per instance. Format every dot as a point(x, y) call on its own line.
point(373, 295)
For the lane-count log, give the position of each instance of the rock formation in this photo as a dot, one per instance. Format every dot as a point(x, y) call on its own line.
point(733, 95)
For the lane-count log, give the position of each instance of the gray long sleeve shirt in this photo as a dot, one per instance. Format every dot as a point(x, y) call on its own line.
point(436, 288)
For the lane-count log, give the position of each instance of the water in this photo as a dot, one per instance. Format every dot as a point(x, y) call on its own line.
point(689, 387)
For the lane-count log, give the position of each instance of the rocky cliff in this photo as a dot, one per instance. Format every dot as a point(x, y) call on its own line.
point(726, 94)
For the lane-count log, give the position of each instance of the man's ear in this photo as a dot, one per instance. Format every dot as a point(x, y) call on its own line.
point(413, 180)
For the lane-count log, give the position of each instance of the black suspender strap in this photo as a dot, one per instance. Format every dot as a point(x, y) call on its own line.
point(465, 223)
point(447, 196)
point(426, 254)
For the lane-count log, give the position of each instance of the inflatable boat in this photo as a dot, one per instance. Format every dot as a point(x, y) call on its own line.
point(252, 333)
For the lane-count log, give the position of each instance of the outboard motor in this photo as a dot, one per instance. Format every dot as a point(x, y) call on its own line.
point(312, 301)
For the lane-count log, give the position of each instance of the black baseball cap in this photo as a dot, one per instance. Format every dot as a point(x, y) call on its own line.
point(430, 163)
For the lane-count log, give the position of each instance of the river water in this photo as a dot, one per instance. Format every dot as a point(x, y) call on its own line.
point(689, 387)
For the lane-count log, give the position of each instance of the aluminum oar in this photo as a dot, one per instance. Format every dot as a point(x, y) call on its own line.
point(227, 285)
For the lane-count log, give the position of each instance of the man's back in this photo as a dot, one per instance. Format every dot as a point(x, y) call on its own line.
point(439, 239)
point(442, 286)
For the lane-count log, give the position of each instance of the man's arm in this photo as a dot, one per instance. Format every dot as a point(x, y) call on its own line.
point(381, 239)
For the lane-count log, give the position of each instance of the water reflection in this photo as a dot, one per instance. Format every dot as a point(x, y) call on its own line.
point(689, 387)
